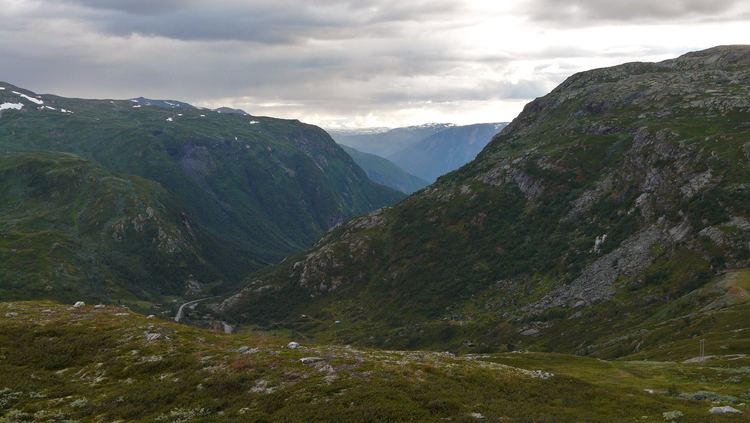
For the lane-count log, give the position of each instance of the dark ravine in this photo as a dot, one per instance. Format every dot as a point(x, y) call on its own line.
point(601, 218)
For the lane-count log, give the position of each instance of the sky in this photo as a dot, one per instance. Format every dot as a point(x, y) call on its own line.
point(346, 64)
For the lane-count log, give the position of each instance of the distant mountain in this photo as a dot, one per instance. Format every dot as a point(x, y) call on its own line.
point(382, 142)
point(357, 131)
point(426, 151)
point(229, 110)
point(155, 198)
point(164, 104)
point(385, 172)
point(446, 150)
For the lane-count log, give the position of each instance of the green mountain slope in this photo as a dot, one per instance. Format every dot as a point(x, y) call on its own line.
point(62, 363)
point(604, 218)
point(385, 172)
point(446, 150)
point(257, 189)
point(71, 229)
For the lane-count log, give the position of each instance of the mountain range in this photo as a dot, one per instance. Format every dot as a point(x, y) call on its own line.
point(145, 199)
point(384, 142)
point(426, 151)
point(446, 150)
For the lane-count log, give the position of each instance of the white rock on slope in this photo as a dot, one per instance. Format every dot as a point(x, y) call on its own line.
point(724, 410)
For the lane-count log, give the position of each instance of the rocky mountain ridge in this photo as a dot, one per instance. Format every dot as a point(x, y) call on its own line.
point(619, 196)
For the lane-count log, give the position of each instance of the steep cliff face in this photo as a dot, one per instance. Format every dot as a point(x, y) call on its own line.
point(620, 195)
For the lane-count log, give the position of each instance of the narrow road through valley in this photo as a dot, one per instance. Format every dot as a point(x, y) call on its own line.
point(181, 310)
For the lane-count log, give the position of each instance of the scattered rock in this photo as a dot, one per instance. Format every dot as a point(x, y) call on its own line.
point(11, 314)
point(724, 410)
point(293, 345)
point(152, 336)
point(540, 374)
point(246, 350)
point(100, 306)
point(478, 416)
point(263, 386)
point(530, 332)
point(698, 359)
point(709, 396)
point(310, 360)
point(79, 304)
point(79, 403)
point(672, 415)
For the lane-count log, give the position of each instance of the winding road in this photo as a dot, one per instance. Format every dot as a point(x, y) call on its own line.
point(181, 310)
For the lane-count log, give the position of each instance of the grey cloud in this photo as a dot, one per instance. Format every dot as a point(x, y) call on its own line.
point(574, 12)
point(291, 58)
point(264, 21)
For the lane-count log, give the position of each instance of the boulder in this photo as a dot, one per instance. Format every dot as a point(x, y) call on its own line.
point(79, 304)
point(150, 336)
point(672, 415)
point(293, 345)
point(724, 410)
point(246, 350)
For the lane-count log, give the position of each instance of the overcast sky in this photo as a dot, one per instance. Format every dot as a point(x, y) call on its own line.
point(346, 63)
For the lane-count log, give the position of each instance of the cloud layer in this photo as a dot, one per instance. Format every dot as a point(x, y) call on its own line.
point(352, 63)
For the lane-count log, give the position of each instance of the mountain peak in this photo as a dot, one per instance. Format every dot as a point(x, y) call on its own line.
point(163, 104)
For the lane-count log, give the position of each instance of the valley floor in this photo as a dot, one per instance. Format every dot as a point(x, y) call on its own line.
point(60, 363)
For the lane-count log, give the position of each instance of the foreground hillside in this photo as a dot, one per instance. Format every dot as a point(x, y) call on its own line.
point(106, 363)
point(612, 214)
point(144, 198)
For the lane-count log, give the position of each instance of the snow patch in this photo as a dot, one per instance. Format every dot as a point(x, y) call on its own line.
point(31, 99)
point(169, 119)
point(2, 88)
point(65, 111)
point(137, 106)
point(254, 122)
point(11, 106)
